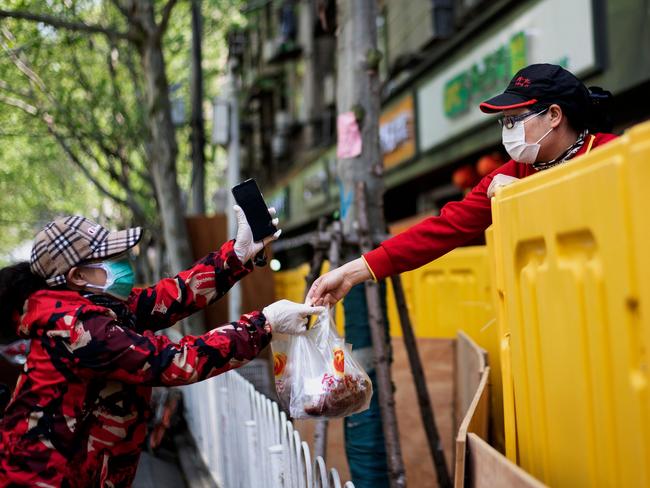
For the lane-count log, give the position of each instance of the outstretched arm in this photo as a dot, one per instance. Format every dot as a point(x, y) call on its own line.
point(99, 346)
point(172, 299)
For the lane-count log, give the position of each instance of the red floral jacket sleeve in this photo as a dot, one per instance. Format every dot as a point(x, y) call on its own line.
point(99, 346)
point(172, 299)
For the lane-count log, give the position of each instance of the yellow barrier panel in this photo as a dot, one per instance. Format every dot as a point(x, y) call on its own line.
point(291, 285)
point(451, 294)
point(570, 246)
point(502, 414)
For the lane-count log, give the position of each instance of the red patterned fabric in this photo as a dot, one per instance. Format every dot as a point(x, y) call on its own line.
point(78, 414)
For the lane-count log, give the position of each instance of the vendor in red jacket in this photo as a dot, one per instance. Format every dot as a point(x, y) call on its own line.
point(548, 117)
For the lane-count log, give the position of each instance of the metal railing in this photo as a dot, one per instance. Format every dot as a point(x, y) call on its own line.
point(246, 441)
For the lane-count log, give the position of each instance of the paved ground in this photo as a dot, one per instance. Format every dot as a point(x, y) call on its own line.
point(157, 473)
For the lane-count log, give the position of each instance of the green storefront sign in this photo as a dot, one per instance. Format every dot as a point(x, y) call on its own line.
point(484, 79)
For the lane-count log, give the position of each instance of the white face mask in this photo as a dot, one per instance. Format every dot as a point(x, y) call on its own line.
point(514, 140)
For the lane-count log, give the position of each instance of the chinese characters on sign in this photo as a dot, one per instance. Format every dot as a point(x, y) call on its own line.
point(485, 78)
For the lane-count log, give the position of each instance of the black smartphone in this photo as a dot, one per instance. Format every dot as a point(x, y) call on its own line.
point(249, 197)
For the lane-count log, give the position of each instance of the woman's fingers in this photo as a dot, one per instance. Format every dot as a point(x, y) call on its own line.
point(313, 295)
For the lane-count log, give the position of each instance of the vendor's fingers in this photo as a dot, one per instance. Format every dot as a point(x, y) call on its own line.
point(314, 310)
point(312, 294)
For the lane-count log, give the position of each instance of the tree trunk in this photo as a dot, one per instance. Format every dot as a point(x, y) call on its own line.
point(358, 90)
point(197, 124)
point(376, 462)
point(163, 148)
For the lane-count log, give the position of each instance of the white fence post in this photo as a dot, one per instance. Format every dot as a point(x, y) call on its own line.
point(246, 441)
point(277, 472)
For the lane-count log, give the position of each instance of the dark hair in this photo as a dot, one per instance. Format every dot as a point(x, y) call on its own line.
point(591, 110)
point(601, 110)
point(17, 283)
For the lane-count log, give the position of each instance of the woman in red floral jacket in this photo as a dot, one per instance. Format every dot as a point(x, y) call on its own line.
point(78, 414)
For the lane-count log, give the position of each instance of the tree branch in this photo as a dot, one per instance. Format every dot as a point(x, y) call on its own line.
point(15, 102)
point(20, 63)
point(59, 23)
point(166, 14)
point(6, 87)
point(75, 159)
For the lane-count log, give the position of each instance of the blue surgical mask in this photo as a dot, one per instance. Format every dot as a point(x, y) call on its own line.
point(120, 278)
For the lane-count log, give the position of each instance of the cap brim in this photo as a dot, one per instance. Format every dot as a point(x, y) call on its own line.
point(117, 242)
point(505, 101)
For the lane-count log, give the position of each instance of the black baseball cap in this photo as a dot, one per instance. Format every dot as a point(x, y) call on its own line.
point(540, 84)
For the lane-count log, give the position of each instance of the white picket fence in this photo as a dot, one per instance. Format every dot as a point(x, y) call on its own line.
point(246, 441)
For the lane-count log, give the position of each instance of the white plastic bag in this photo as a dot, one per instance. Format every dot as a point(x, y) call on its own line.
point(316, 376)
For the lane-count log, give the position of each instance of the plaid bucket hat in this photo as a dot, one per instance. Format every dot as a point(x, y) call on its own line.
point(69, 241)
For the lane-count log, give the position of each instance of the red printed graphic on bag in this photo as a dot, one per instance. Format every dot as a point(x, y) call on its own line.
point(279, 362)
point(339, 362)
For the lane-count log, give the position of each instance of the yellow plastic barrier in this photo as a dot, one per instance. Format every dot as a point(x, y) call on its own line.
point(573, 285)
point(291, 285)
point(451, 294)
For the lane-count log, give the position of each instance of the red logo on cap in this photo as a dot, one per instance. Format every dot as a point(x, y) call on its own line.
point(522, 82)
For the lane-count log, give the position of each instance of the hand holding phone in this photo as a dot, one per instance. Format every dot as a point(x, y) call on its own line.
point(256, 225)
point(249, 197)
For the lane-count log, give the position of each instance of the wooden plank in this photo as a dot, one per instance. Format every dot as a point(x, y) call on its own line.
point(487, 468)
point(471, 399)
point(475, 419)
point(471, 361)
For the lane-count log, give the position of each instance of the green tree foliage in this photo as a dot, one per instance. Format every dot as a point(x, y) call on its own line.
point(72, 116)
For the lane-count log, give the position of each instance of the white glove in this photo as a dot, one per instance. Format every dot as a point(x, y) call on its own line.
point(286, 317)
point(245, 247)
point(499, 180)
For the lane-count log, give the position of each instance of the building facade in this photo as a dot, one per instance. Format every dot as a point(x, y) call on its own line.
point(441, 58)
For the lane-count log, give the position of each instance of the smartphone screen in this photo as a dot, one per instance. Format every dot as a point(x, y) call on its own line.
point(249, 197)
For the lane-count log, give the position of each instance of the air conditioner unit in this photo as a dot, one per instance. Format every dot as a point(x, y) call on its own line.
point(283, 122)
point(466, 8)
point(269, 49)
point(329, 89)
point(442, 12)
point(279, 146)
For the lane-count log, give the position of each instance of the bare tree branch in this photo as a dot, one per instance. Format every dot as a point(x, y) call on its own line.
point(19, 60)
point(97, 136)
point(8, 88)
point(166, 14)
point(129, 202)
point(75, 159)
point(59, 23)
point(15, 102)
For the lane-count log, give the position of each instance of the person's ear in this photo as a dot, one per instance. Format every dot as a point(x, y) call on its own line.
point(556, 115)
point(76, 277)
